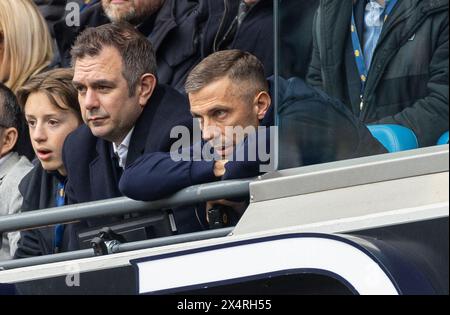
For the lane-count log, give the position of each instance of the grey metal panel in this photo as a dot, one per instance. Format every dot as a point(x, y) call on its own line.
point(351, 208)
point(349, 173)
point(117, 206)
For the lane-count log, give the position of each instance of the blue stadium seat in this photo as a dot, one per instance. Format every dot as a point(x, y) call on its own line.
point(443, 139)
point(394, 137)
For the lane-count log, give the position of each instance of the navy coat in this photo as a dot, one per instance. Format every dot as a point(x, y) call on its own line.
point(255, 34)
point(38, 189)
point(89, 161)
point(314, 128)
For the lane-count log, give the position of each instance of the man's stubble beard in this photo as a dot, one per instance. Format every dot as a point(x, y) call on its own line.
point(115, 15)
point(133, 16)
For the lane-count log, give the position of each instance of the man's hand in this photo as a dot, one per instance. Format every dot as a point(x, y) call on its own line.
point(219, 168)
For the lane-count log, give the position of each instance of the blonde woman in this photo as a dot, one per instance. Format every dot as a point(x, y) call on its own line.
point(25, 42)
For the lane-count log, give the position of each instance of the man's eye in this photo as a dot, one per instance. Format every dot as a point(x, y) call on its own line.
point(31, 123)
point(220, 113)
point(103, 88)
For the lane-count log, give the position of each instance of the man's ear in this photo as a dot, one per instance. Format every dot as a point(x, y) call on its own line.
point(262, 104)
point(146, 88)
point(8, 140)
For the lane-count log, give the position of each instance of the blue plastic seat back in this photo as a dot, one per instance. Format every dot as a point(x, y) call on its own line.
point(443, 139)
point(394, 137)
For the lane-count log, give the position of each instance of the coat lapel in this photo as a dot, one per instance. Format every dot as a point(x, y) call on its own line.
point(142, 134)
point(103, 177)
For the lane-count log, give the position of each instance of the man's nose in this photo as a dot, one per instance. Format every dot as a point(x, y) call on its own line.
point(209, 130)
point(91, 100)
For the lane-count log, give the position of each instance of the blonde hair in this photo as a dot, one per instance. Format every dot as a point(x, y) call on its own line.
point(27, 42)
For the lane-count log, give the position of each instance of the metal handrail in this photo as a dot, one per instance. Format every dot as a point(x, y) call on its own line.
point(118, 206)
point(119, 248)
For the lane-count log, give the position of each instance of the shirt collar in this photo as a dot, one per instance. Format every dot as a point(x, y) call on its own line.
point(122, 149)
point(125, 141)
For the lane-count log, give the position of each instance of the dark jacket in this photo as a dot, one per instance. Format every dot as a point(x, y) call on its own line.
point(254, 35)
point(54, 11)
point(408, 78)
point(202, 30)
point(93, 172)
point(173, 32)
point(313, 129)
point(177, 38)
point(38, 189)
point(295, 37)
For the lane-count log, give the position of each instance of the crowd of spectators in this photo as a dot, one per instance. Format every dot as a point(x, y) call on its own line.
point(101, 98)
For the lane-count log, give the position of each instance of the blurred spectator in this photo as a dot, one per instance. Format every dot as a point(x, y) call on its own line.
point(170, 25)
point(295, 37)
point(52, 11)
point(125, 110)
point(242, 24)
point(55, 10)
point(25, 50)
point(12, 166)
point(50, 104)
point(229, 89)
point(386, 60)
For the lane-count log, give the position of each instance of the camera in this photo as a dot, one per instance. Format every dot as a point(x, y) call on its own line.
point(218, 217)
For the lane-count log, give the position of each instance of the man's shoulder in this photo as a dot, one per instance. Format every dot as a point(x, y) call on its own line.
point(9, 188)
point(296, 97)
point(17, 171)
point(178, 11)
point(170, 93)
point(79, 143)
point(23, 166)
point(169, 101)
point(81, 134)
point(294, 89)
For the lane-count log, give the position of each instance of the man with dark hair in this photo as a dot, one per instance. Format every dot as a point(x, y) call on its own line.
point(12, 167)
point(126, 113)
point(228, 89)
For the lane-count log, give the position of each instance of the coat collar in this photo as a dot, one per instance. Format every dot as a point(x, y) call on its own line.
point(10, 160)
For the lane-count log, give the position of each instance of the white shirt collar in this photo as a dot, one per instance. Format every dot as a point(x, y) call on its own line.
point(122, 149)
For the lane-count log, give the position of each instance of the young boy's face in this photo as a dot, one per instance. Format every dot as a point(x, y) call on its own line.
point(49, 126)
